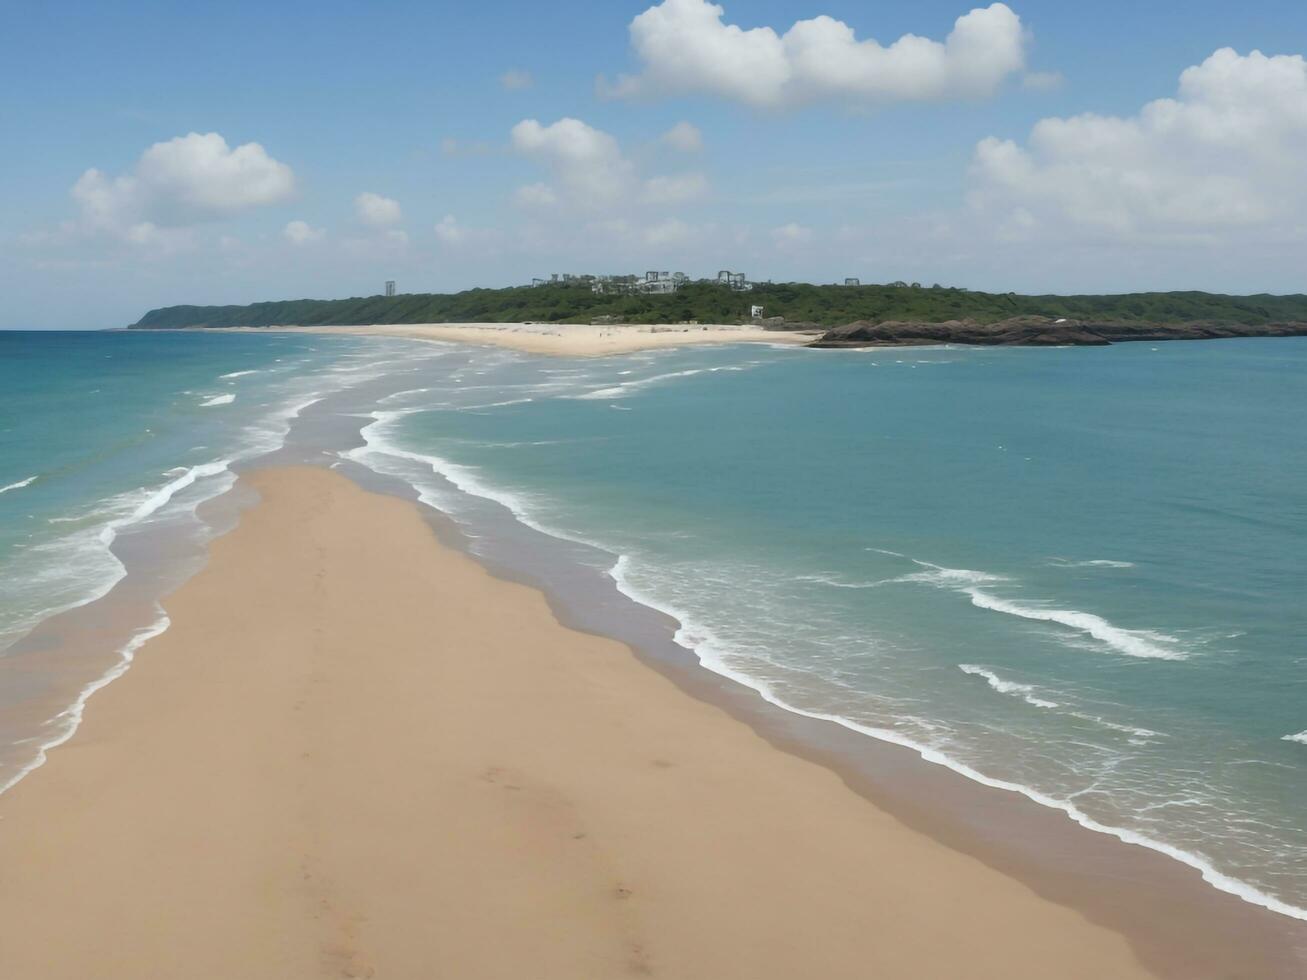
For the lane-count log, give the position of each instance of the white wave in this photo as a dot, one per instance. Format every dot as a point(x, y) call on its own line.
point(1146, 644)
point(80, 567)
point(950, 578)
point(20, 484)
point(511, 401)
point(160, 497)
point(236, 374)
point(1132, 730)
point(463, 478)
point(627, 387)
point(840, 584)
point(65, 724)
point(710, 654)
point(226, 399)
point(1092, 563)
point(1026, 692)
point(1300, 738)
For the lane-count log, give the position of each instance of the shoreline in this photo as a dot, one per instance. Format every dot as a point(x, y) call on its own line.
point(558, 340)
point(1138, 889)
point(1206, 931)
point(242, 819)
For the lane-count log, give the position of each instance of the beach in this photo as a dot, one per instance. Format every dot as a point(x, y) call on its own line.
point(567, 340)
point(357, 753)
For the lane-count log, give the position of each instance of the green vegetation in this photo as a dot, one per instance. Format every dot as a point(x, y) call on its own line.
point(709, 303)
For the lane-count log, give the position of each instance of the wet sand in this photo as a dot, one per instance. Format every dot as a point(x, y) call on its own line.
point(356, 753)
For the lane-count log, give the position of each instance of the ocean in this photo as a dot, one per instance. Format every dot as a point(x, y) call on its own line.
point(1074, 573)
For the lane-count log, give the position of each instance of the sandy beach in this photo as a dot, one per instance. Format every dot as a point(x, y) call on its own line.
point(356, 753)
point(568, 339)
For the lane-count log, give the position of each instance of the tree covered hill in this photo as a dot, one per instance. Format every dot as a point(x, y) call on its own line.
point(827, 306)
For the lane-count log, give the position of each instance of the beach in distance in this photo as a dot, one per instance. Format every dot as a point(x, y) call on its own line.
point(575, 340)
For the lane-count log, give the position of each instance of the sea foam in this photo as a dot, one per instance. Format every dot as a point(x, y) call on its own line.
point(19, 485)
point(1026, 692)
point(1146, 644)
point(64, 725)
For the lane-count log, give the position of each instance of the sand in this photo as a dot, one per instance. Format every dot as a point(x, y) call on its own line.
point(568, 339)
point(356, 753)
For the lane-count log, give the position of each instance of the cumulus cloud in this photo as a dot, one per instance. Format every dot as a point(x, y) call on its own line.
point(178, 183)
point(516, 79)
point(1222, 157)
point(686, 47)
point(302, 233)
point(587, 162)
point(685, 137)
point(590, 171)
point(377, 211)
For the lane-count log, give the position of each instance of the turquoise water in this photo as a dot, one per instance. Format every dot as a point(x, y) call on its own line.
point(1075, 573)
point(101, 431)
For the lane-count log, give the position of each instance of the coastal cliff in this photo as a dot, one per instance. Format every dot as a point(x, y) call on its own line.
point(1036, 331)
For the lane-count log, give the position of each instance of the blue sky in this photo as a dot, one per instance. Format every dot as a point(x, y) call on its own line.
point(852, 162)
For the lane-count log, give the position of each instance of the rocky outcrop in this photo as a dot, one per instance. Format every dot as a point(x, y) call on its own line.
point(1035, 331)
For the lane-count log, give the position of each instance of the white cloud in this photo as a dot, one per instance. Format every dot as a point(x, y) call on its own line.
point(587, 162)
point(178, 183)
point(449, 231)
point(685, 137)
point(377, 211)
point(1222, 158)
point(516, 79)
point(686, 47)
point(591, 173)
point(302, 233)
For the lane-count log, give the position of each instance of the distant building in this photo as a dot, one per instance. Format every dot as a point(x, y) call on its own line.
point(735, 280)
point(390, 287)
point(658, 283)
point(852, 282)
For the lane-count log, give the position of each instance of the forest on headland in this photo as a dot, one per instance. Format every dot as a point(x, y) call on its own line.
point(797, 303)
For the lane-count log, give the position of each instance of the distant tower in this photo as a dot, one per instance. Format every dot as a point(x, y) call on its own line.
point(390, 287)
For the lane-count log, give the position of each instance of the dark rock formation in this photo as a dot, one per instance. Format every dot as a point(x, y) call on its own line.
point(1035, 331)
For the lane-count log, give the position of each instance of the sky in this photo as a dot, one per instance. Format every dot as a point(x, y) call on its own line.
point(161, 153)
